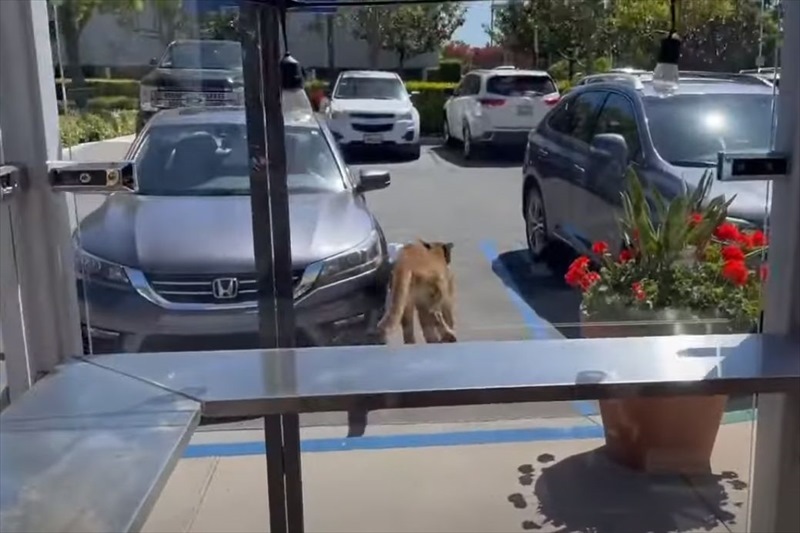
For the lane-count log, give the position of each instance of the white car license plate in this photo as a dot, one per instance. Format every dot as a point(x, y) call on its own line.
point(524, 110)
point(373, 138)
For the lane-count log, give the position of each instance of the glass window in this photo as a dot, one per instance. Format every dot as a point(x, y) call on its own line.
point(352, 87)
point(471, 85)
point(518, 85)
point(211, 55)
point(619, 117)
point(690, 129)
point(577, 116)
point(210, 159)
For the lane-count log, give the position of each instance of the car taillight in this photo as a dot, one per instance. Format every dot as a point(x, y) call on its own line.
point(553, 100)
point(491, 102)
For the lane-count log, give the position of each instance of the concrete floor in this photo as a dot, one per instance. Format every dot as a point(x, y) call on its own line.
point(548, 486)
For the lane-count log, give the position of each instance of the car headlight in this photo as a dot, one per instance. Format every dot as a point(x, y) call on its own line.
point(146, 96)
point(89, 267)
point(406, 116)
point(363, 258)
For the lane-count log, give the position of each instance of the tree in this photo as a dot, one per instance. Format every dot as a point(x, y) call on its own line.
point(223, 26)
point(407, 31)
point(576, 31)
point(73, 15)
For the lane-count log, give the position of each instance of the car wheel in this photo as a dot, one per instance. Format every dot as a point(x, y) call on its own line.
point(449, 140)
point(412, 153)
point(467, 148)
point(536, 224)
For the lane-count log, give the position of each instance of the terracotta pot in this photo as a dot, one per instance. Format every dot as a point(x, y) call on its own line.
point(673, 435)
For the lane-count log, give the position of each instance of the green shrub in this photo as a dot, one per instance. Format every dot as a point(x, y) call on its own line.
point(450, 70)
point(77, 128)
point(102, 87)
point(564, 86)
point(430, 104)
point(111, 103)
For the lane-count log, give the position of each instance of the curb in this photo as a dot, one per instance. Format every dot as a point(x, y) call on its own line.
point(586, 430)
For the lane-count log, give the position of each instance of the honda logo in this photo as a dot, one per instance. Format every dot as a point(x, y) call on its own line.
point(225, 288)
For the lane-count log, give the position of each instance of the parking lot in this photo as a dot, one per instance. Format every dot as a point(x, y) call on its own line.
point(476, 205)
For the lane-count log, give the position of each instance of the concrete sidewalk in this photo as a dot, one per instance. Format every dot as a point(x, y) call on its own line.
point(505, 476)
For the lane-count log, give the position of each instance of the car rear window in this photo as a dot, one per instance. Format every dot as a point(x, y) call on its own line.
point(690, 129)
point(518, 85)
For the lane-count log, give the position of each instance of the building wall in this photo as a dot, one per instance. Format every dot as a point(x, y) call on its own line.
point(105, 42)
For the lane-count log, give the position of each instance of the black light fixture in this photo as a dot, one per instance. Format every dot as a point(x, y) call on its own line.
point(666, 75)
point(291, 71)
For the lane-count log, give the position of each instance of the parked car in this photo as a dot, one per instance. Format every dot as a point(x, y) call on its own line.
point(172, 266)
point(371, 108)
point(575, 160)
point(192, 73)
point(612, 76)
point(769, 75)
point(497, 107)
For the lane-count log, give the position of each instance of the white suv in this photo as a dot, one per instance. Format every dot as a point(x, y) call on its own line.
point(373, 108)
point(498, 106)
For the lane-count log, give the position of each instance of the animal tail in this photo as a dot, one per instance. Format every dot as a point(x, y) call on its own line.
point(399, 292)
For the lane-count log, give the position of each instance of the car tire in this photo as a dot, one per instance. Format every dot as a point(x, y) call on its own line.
point(449, 140)
point(467, 148)
point(412, 152)
point(536, 234)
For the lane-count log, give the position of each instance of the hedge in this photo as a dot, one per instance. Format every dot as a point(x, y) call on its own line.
point(102, 87)
point(77, 128)
point(120, 98)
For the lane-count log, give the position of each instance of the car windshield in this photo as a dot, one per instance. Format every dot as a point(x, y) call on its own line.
point(378, 88)
point(219, 55)
point(518, 85)
point(212, 159)
point(690, 129)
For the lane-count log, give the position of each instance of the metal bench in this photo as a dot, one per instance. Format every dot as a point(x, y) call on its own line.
point(122, 420)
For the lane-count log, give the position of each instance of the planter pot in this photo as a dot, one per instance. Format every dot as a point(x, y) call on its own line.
point(672, 435)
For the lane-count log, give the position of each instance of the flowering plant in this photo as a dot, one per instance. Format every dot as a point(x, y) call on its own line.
point(681, 255)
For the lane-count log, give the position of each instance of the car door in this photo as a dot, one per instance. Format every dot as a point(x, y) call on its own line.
point(605, 178)
point(562, 154)
point(457, 104)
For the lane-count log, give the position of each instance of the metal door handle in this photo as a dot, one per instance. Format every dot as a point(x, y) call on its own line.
point(578, 167)
point(542, 152)
point(10, 178)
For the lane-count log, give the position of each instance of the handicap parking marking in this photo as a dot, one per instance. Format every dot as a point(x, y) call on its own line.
point(538, 327)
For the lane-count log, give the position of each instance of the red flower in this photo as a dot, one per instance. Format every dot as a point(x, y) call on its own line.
point(758, 239)
point(736, 272)
point(625, 255)
point(695, 219)
point(638, 291)
point(764, 272)
point(727, 232)
point(589, 279)
point(574, 277)
point(732, 253)
point(581, 263)
point(600, 248)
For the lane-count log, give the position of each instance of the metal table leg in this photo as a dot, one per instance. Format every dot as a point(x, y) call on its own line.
point(284, 473)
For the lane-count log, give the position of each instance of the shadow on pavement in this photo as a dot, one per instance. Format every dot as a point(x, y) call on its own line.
point(496, 157)
point(374, 156)
point(588, 492)
point(542, 290)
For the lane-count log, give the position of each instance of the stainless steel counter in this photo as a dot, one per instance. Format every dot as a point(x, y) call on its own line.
point(89, 447)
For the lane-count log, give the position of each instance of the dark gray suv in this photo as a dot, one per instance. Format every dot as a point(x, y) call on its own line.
point(576, 158)
point(171, 266)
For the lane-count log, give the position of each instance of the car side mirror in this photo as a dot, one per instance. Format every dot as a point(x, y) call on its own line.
point(153, 61)
point(611, 146)
point(373, 180)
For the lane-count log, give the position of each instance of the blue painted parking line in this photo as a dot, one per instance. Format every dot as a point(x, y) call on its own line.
point(426, 440)
point(539, 327)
